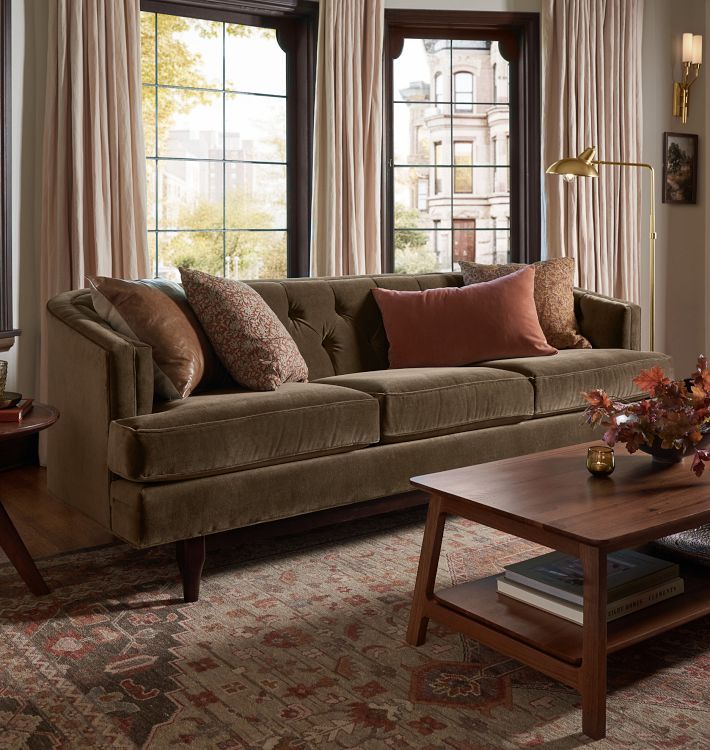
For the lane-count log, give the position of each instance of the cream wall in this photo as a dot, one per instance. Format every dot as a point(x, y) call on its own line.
point(29, 35)
point(682, 327)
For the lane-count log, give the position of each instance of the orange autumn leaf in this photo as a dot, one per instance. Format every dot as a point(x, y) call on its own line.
point(698, 394)
point(598, 398)
point(649, 380)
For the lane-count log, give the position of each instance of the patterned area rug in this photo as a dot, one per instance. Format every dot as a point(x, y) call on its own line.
point(298, 644)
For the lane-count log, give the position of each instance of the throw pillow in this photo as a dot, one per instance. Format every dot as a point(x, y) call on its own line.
point(461, 325)
point(554, 299)
point(156, 312)
point(248, 337)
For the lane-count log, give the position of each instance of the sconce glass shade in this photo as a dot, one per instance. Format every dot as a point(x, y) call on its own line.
point(576, 166)
point(687, 52)
point(697, 49)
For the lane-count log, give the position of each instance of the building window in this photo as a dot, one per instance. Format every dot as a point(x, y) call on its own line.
point(463, 92)
point(438, 88)
point(422, 193)
point(463, 167)
point(466, 59)
point(438, 159)
point(225, 143)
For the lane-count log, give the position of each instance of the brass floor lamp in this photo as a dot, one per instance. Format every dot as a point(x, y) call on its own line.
point(584, 165)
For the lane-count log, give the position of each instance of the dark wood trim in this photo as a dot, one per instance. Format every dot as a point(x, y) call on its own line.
point(7, 330)
point(519, 36)
point(201, 7)
point(296, 25)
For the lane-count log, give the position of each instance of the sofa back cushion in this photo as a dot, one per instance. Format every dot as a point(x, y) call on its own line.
point(336, 322)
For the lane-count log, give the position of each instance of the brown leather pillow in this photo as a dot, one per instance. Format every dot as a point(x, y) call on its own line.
point(460, 325)
point(554, 298)
point(156, 312)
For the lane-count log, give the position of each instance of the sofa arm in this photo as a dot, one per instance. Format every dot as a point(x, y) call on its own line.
point(95, 375)
point(608, 323)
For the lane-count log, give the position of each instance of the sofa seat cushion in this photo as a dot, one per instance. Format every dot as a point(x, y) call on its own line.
point(559, 381)
point(217, 433)
point(426, 401)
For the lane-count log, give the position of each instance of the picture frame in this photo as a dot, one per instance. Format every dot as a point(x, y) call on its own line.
point(680, 168)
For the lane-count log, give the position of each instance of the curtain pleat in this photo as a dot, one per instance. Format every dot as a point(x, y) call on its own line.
point(94, 178)
point(592, 97)
point(348, 139)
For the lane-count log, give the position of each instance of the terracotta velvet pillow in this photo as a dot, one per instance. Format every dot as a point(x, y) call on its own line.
point(249, 339)
point(554, 298)
point(156, 312)
point(461, 325)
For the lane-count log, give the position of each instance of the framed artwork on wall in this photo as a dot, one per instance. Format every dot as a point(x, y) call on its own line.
point(680, 168)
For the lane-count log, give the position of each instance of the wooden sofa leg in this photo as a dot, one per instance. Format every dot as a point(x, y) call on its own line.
point(190, 555)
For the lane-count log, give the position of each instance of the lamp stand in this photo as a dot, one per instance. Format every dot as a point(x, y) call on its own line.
point(651, 240)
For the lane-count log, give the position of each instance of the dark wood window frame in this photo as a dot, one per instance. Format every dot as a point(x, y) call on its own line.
point(7, 330)
point(296, 25)
point(518, 35)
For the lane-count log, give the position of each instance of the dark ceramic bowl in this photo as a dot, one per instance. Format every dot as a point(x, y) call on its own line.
point(10, 399)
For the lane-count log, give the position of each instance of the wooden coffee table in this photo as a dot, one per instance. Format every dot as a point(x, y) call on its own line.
point(41, 417)
point(551, 499)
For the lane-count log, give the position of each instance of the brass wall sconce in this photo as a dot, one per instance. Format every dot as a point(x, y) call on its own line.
point(692, 55)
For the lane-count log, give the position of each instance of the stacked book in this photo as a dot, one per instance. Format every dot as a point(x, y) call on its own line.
point(17, 412)
point(554, 583)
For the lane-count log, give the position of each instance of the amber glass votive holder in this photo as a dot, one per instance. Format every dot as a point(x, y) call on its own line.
point(600, 460)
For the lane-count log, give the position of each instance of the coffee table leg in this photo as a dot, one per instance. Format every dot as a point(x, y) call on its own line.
point(426, 573)
point(593, 687)
point(15, 549)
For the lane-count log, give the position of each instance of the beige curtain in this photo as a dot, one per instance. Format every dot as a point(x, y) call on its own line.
point(93, 177)
point(348, 139)
point(592, 97)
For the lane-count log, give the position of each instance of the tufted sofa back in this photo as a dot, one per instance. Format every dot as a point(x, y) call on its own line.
point(336, 322)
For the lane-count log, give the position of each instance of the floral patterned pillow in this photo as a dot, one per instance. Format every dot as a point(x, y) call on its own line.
point(249, 339)
point(554, 299)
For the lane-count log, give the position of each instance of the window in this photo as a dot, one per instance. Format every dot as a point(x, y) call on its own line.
point(463, 92)
point(438, 88)
point(226, 142)
point(463, 169)
point(422, 193)
point(482, 202)
point(438, 159)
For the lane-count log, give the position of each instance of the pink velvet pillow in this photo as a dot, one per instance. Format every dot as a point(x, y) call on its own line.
point(460, 325)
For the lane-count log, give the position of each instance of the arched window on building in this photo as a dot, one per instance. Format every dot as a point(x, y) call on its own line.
point(463, 91)
point(438, 88)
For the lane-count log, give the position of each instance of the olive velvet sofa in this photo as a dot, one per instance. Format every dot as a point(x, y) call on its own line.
point(158, 472)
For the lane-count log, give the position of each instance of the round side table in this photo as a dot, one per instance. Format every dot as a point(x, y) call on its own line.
point(39, 418)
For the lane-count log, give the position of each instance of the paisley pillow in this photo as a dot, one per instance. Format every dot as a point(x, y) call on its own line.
point(249, 339)
point(554, 298)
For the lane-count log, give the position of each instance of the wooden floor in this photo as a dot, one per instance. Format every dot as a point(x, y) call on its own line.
point(47, 525)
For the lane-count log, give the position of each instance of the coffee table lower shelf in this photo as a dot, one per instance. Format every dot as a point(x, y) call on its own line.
point(492, 618)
